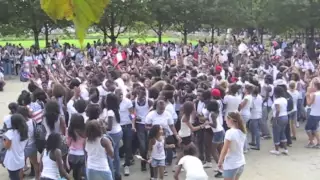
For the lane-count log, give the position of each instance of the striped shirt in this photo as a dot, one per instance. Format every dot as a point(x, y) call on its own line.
point(37, 112)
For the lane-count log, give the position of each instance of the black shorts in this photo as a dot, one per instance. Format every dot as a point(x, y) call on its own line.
point(186, 140)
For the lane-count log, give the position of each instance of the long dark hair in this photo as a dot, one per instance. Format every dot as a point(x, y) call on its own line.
point(112, 103)
point(24, 111)
point(154, 131)
point(24, 98)
point(52, 113)
point(18, 122)
point(76, 124)
point(53, 142)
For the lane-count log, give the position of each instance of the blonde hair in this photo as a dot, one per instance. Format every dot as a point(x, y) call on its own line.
point(292, 85)
point(237, 120)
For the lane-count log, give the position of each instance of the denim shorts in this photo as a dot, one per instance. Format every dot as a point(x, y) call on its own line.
point(232, 173)
point(312, 123)
point(293, 116)
point(14, 175)
point(218, 137)
point(158, 163)
point(99, 175)
point(30, 150)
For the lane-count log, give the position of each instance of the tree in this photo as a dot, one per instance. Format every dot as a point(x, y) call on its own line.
point(159, 16)
point(118, 17)
point(187, 16)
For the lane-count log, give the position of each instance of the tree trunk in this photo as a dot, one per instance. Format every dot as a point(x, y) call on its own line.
point(212, 34)
point(218, 31)
point(36, 38)
point(105, 36)
point(185, 36)
point(46, 33)
point(261, 35)
point(159, 33)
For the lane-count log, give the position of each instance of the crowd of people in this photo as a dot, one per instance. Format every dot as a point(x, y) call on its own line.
point(189, 107)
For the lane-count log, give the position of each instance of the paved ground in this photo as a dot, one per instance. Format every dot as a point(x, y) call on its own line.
point(301, 164)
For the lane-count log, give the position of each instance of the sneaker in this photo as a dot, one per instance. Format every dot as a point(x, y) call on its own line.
point(266, 137)
point(165, 173)
point(285, 152)
point(275, 152)
point(126, 171)
point(316, 146)
point(218, 175)
point(309, 145)
point(297, 124)
point(294, 138)
point(207, 165)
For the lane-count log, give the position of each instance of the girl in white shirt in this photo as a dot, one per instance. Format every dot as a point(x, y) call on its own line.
point(232, 159)
point(51, 164)
point(231, 101)
point(245, 107)
point(255, 119)
point(312, 126)
point(191, 164)
point(97, 148)
point(114, 130)
point(156, 151)
point(279, 121)
point(15, 141)
point(293, 114)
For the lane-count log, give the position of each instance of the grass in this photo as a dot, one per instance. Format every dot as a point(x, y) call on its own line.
point(29, 43)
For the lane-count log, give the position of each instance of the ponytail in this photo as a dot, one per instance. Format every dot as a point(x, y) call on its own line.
point(237, 120)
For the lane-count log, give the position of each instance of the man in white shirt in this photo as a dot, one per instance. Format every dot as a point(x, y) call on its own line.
point(163, 118)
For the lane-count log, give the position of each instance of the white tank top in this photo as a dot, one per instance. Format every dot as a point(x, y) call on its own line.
point(97, 156)
point(184, 131)
point(316, 105)
point(142, 111)
point(50, 169)
point(158, 152)
point(219, 125)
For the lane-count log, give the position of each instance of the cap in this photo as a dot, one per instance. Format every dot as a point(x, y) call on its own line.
point(218, 68)
point(215, 93)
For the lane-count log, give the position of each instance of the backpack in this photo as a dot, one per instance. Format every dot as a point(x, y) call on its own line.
point(290, 102)
point(39, 135)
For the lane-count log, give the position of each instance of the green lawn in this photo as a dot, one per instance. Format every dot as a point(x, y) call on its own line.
point(28, 43)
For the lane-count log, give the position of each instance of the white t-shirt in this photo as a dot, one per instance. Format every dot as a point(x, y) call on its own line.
point(7, 120)
point(193, 167)
point(164, 120)
point(315, 110)
point(256, 108)
point(295, 96)
point(245, 111)
point(125, 105)
point(232, 103)
point(170, 108)
point(235, 157)
point(84, 93)
point(116, 128)
point(14, 159)
point(283, 103)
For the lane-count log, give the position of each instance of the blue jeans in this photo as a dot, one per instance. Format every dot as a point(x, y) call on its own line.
point(233, 173)
point(142, 135)
point(7, 67)
point(127, 143)
point(116, 161)
point(98, 175)
point(264, 121)
point(279, 129)
point(254, 127)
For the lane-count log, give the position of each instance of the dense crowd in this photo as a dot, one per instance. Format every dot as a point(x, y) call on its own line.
point(189, 107)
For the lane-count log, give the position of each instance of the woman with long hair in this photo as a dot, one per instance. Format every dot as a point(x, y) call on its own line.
point(30, 150)
point(114, 130)
point(53, 122)
point(279, 121)
point(13, 107)
point(76, 143)
point(98, 148)
point(51, 164)
point(15, 141)
point(232, 159)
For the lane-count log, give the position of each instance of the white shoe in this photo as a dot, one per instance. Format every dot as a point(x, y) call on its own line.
point(285, 151)
point(126, 171)
point(297, 124)
point(207, 165)
point(275, 152)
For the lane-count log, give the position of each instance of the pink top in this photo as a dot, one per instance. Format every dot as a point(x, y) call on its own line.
point(76, 147)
